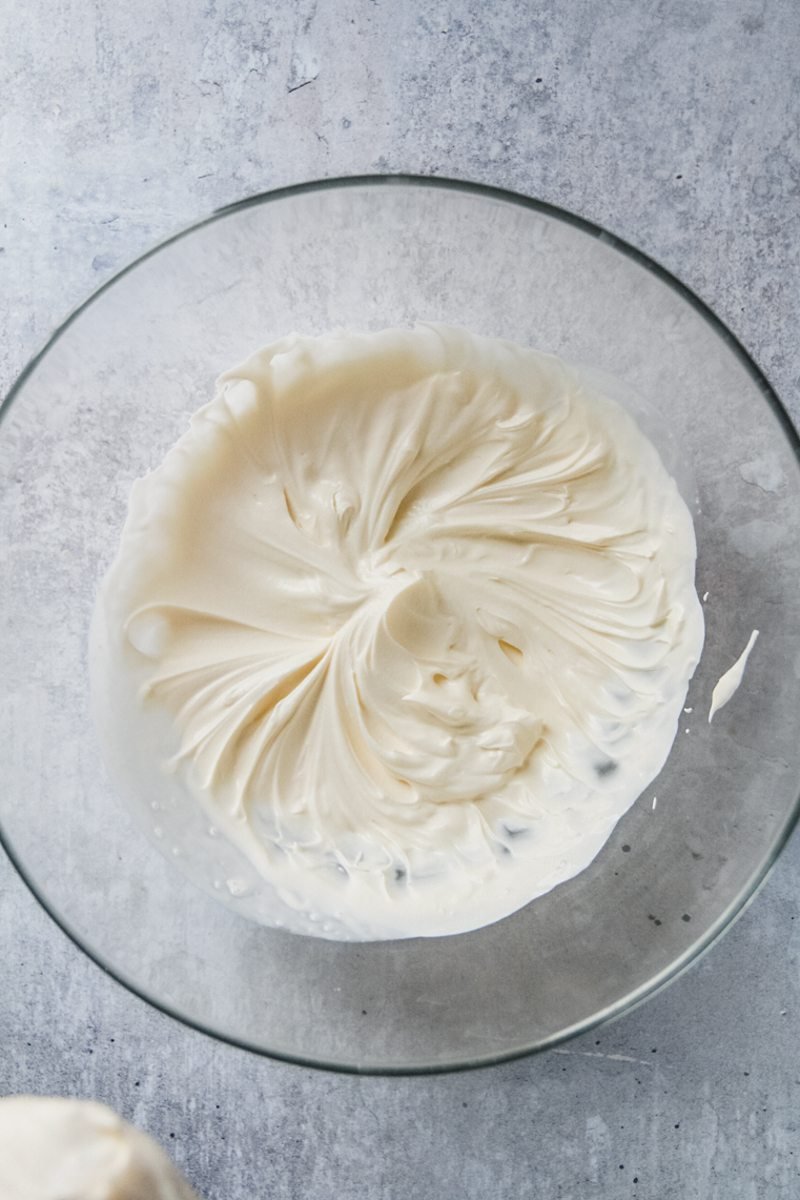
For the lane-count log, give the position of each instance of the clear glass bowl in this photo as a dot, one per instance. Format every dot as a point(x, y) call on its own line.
point(114, 389)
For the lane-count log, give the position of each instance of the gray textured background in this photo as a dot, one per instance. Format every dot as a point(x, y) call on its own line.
point(677, 127)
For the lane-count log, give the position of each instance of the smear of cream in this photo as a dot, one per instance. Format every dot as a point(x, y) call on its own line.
point(730, 681)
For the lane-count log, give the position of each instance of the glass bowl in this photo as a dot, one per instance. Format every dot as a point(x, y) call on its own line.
point(110, 394)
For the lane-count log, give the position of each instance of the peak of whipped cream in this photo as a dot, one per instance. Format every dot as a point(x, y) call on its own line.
point(405, 622)
point(60, 1149)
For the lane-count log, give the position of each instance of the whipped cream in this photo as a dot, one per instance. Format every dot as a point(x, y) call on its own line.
point(728, 684)
point(53, 1149)
point(409, 617)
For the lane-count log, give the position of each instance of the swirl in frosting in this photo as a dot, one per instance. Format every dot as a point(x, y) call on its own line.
point(414, 615)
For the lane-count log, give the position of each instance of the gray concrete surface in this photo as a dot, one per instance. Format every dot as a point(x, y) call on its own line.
point(676, 125)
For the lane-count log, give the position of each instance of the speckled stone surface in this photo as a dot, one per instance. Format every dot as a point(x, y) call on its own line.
point(675, 125)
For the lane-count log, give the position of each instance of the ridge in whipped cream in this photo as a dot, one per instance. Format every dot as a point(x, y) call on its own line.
point(396, 632)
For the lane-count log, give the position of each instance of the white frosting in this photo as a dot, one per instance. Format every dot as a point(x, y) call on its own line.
point(53, 1149)
point(410, 618)
point(728, 684)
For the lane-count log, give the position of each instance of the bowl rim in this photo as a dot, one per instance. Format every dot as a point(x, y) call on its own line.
point(737, 906)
